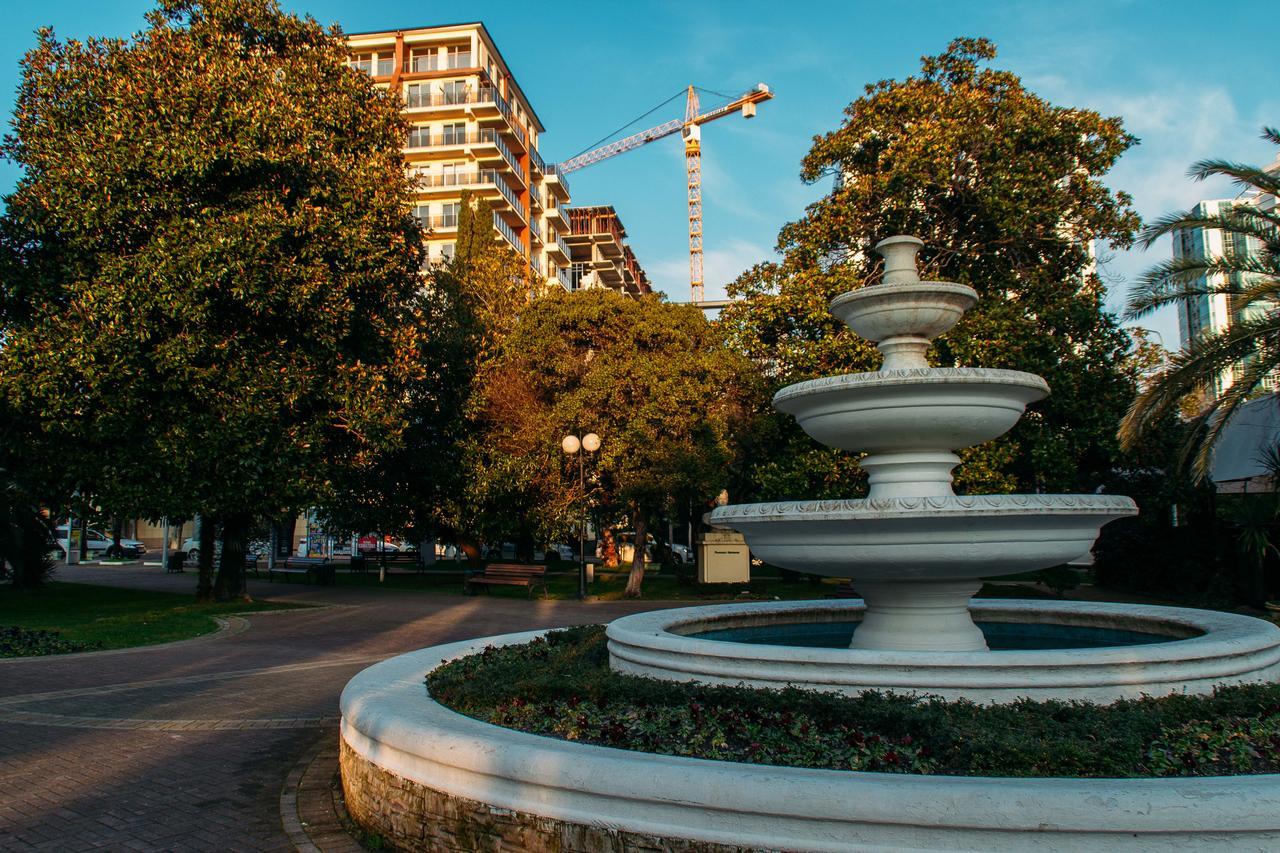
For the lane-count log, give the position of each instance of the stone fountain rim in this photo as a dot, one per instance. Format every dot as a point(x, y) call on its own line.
point(1218, 634)
point(957, 377)
point(390, 720)
point(958, 506)
point(870, 291)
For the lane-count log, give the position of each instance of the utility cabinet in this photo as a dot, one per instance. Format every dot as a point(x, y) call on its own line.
point(723, 557)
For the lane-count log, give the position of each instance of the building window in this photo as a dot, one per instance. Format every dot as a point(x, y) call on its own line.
point(455, 134)
point(449, 214)
point(418, 95)
point(447, 251)
point(577, 272)
point(458, 56)
point(454, 92)
point(423, 59)
point(363, 62)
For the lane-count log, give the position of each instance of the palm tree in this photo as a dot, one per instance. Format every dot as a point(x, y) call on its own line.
point(1250, 345)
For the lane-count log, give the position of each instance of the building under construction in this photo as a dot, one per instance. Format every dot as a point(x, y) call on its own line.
point(600, 256)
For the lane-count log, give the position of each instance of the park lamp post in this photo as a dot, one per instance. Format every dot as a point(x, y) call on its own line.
point(580, 447)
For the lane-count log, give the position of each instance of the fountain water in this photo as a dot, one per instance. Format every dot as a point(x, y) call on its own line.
point(916, 551)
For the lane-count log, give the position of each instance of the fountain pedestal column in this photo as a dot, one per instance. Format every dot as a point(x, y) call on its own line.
point(918, 616)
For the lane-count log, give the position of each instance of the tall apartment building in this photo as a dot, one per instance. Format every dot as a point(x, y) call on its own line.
point(473, 129)
point(1216, 313)
point(600, 256)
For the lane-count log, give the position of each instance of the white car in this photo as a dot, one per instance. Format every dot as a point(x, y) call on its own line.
point(97, 543)
point(191, 547)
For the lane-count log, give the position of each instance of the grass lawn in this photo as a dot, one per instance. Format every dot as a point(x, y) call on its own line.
point(113, 618)
point(446, 578)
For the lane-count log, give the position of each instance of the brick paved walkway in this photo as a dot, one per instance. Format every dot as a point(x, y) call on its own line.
point(191, 746)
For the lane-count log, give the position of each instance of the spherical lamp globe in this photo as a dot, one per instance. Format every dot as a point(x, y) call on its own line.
point(570, 444)
point(591, 442)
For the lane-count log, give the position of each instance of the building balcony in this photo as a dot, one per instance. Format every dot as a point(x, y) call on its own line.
point(562, 276)
point(482, 102)
point(436, 62)
point(555, 181)
point(482, 181)
point(380, 68)
point(558, 219)
point(558, 247)
point(422, 140)
point(536, 163)
point(507, 233)
point(438, 223)
point(535, 197)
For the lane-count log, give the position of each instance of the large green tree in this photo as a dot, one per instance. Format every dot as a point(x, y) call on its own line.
point(1006, 191)
point(210, 273)
point(416, 488)
point(1248, 274)
point(653, 380)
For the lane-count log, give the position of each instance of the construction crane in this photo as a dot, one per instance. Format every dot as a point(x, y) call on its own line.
point(691, 128)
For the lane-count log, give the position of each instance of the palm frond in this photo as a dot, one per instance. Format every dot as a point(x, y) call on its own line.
point(1179, 280)
point(1244, 220)
point(1243, 174)
point(1271, 134)
point(1197, 367)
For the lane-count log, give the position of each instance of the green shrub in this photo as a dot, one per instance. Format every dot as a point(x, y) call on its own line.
point(562, 686)
point(21, 642)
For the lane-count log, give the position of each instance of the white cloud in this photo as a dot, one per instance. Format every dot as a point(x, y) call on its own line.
point(720, 265)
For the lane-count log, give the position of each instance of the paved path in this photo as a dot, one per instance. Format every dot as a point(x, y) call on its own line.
point(190, 746)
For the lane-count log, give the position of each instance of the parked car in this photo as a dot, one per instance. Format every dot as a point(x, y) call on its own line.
point(681, 553)
point(191, 547)
point(97, 543)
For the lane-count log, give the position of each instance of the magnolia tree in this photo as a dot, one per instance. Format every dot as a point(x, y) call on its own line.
point(210, 274)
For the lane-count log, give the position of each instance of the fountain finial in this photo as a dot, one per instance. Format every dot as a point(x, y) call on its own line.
point(899, 253)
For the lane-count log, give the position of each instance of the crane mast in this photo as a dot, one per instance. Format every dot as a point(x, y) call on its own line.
point(693, 170)
point(691, 130)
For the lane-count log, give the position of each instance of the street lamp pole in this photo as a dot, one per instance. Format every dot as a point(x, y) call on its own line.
point(580, 447)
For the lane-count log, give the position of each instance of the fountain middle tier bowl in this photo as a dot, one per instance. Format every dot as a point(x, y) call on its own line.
point(933, 408)
point(924, 539)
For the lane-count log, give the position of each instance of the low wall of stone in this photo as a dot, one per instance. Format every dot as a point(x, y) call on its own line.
point(426, 778)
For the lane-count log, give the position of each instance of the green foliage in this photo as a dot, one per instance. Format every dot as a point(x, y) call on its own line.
point(23, 642)
point(562, 686)
point(209, 270)
point(652, 379)
point(1250, 346)
point(1007, 192)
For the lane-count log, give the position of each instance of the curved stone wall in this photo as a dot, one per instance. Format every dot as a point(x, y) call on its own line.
point(427, 778)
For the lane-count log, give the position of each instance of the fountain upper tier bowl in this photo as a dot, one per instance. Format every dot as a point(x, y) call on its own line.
point(924, 538)
point(929, 408)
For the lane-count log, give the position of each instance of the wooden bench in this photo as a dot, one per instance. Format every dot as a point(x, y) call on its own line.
point(509, 574)
point(391, 559)
point(318, 568)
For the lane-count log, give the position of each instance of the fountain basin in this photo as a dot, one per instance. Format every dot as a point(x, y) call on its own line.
point(1203, 649)
point(928, 408)
point(924, 538)
point(424, 777)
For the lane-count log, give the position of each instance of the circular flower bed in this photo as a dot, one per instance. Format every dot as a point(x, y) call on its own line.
point(561, 685)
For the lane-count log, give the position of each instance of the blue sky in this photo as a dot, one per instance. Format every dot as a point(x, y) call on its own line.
point(1186, 77)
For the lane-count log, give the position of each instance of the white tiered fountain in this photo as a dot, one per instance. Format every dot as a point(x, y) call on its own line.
point(916, 552)
point(426, 777)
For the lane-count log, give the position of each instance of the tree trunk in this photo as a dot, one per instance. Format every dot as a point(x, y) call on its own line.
point(637, 556)
point(207, 535)
point(609, 548)
point(230, 584)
